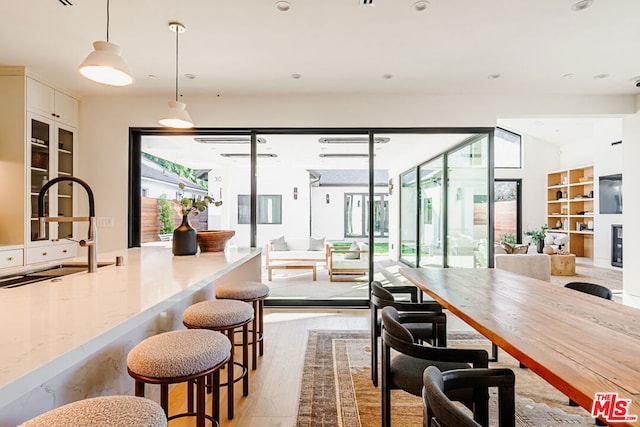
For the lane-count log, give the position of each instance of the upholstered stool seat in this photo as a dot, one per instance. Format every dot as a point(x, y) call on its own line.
point(108, 411)
point(181, 356)
point(254, 293)
point(225, 316)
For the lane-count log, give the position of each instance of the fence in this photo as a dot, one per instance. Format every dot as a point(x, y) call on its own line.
point(150, 224)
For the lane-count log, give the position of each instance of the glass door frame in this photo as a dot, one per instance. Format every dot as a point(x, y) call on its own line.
point(518, 182)
point(478, 135)
point(134, 169)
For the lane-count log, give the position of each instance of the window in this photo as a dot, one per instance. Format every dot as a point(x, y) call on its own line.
point(269, 209)
point(356, 215)
point(507, 151)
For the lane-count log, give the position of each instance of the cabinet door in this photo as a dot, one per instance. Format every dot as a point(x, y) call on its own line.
point(41, 166)
point(65, 156)
point(66, 109)
point(48, 102)
point(40, 98)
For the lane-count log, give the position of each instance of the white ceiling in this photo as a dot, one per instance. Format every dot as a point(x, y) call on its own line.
point(401, 152)
point(338, 46)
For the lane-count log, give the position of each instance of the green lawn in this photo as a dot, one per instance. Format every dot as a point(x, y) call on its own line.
point(378, 248)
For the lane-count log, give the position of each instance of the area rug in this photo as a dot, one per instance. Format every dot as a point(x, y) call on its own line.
point(336, 387)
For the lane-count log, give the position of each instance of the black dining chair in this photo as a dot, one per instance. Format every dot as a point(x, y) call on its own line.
point(591, 288)
point(404, 370)
point(416, 317)
point(440, 409)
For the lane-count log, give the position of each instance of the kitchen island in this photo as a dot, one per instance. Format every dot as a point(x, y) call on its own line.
point(65, 340)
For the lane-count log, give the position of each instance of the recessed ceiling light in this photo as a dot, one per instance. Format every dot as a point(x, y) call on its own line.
point(296, 76)
point(581, 5)
point(568, 76)
point(283, 6)
point(601, 76)
point(493, 76)
point(387, 76)
point(190, 76)
point(419, 6)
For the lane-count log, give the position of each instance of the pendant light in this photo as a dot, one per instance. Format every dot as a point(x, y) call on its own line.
point(105, 65)
point(177, 116)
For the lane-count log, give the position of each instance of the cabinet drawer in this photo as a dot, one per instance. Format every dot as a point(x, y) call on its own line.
point(12, 258)
point(51, 253)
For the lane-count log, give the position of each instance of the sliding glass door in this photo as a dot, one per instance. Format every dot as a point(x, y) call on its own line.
point(431, 213)
point(468, 205)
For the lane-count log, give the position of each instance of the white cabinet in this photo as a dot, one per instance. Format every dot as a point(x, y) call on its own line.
point(38, 136)
point(10, 258)
point(51, 252)
point(48, 102)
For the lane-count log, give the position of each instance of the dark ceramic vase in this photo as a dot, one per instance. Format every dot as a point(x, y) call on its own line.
point(539, 245)
point(185, 238)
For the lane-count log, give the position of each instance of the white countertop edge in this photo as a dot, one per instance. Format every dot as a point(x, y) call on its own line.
point(40, 375)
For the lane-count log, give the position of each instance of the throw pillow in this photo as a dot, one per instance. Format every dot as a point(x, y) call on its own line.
point(353, 255)
point(508, 247)
point(316, 244)
point(521, 249)
point(279, 244)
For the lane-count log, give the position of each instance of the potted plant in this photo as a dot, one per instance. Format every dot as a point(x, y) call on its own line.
point(537, 237)
point(165, 217)
point(185, 237)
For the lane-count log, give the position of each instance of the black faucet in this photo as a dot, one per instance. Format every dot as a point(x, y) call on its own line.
point(91, 241)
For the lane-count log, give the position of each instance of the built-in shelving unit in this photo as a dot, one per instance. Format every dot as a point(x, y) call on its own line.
point(570, 207)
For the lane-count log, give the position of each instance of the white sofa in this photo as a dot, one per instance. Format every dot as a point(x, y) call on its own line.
point(341, 267)
point(298, 251)
point(531, 264)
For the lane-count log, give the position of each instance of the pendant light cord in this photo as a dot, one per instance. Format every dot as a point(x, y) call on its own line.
point(107, 21)
point(177, 32)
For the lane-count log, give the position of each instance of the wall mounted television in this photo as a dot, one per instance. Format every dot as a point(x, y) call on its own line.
point(611, 194)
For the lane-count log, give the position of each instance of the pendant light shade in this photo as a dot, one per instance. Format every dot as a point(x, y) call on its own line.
point(177, 115)
point(105, 65)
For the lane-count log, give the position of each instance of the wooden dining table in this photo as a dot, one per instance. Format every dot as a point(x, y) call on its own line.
point(579, 343)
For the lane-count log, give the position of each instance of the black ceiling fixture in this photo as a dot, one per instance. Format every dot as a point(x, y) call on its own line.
point(66, 2)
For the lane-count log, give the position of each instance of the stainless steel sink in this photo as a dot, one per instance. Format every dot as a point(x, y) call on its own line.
point(62, 269)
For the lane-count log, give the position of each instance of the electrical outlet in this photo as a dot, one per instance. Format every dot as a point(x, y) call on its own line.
point(104, 221)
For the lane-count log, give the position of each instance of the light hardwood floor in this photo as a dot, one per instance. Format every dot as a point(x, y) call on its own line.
point(274, 387)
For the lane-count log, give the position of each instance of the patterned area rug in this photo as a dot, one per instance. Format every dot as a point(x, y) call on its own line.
point(609, 277)
point(336, 387)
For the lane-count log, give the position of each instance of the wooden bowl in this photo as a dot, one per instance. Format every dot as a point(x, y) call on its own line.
point(214, 240)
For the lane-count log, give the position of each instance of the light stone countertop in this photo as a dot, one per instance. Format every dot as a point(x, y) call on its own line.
point(48, 326)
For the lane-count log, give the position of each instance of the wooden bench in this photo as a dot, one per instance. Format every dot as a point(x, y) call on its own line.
point(293, 266)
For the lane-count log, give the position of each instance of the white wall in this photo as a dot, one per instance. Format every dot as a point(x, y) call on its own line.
point(631, 208)
point(105, 122)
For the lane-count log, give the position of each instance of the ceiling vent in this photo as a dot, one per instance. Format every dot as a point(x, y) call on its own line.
point(352, 140)
point(66, 2)
point(227, 140)
point(342, 155)
point(366, 3)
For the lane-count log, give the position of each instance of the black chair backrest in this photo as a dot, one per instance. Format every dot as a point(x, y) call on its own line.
point(392, 325)
point(437, 385)
point(378, 291)
point(590, 288)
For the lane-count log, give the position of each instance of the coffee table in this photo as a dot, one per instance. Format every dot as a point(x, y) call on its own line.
point(293, 266)
point(563, 265)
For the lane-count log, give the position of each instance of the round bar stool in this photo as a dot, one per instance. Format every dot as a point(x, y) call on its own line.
point(181, 356)
point(254, 293)
point(225, 316)
point(107, 411)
